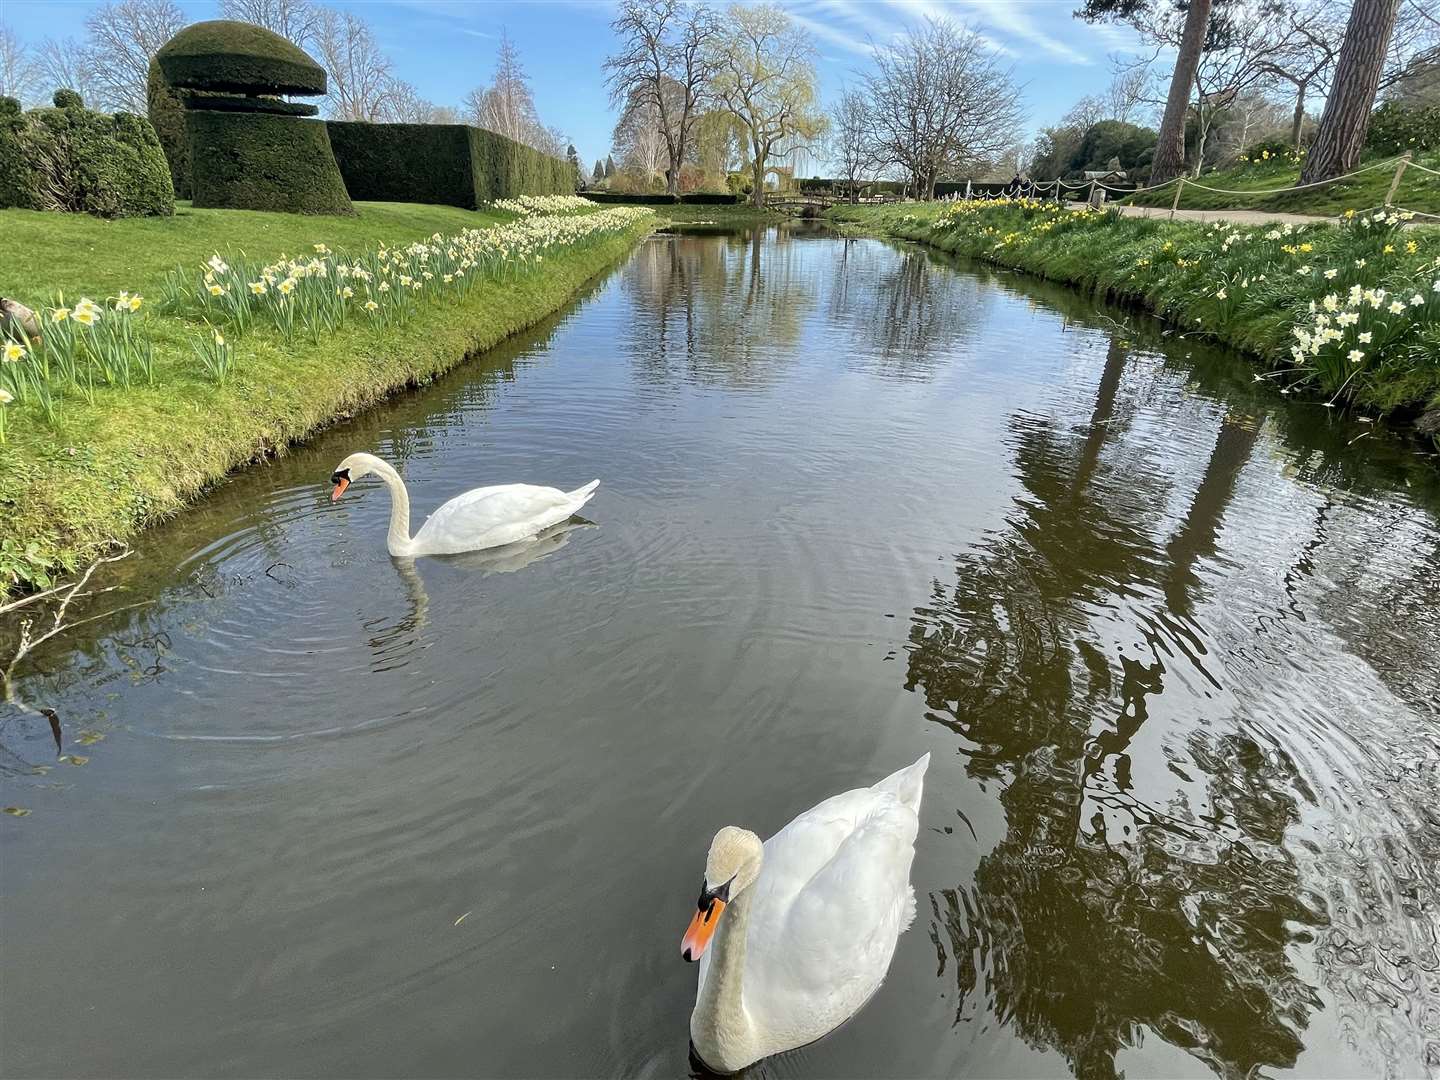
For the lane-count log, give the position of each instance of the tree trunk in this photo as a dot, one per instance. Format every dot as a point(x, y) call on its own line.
point(757, 168)
point(1352, 95)
point(1298, 121)
point(1170, 148)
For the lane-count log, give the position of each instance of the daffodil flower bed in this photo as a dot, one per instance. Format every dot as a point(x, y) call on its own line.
point(529, 205)
point(1349, 313)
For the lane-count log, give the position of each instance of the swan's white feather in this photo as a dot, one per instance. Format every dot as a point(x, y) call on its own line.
point(494, 516)
point(831, 900)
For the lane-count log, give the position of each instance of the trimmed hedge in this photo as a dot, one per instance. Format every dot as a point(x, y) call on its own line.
point(73, 160)
point(446, 164)
point(239, 57)
point(693, 198)
point(264, 161)
point(167, 116)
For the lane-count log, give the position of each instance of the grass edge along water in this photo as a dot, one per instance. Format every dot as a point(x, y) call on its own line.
point(1347, 313)
point(233, 376)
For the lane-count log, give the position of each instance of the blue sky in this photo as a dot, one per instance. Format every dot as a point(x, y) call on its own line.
point(446, 47)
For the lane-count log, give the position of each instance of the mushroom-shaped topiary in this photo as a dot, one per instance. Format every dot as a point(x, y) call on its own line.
point(246, 148)
point(240, 58)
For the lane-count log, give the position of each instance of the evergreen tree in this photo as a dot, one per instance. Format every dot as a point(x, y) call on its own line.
point(599, 173)
point(573, 156)
point(1341, 136)
point(609, 167)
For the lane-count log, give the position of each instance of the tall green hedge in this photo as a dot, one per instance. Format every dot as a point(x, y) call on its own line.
point(238, 57)
point(448, 164)
point(167, 116)
point(264, 161)
point(71, 159)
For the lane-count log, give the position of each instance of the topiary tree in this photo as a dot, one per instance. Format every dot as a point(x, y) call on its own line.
point(249, 149)
point(599, 173)
point(69, 158)
point(167, 116)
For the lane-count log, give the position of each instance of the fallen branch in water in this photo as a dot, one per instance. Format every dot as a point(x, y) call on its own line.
point(36, 629)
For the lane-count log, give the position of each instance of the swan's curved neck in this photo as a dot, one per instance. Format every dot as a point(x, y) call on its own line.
point(720, 1027)
point(398, 539)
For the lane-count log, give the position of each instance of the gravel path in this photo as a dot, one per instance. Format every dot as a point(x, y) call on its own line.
point(1240, 217)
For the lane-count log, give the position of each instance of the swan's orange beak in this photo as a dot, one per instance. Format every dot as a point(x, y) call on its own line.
point(341, 483)
point(701, 930)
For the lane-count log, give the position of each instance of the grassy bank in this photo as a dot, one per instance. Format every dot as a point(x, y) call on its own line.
point(1349, 313)
point(112, 455)
point(1418, 190)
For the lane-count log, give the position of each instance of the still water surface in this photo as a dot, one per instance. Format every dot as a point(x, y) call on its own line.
point(1171, 643)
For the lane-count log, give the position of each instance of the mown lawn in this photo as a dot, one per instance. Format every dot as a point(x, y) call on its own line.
point(1348, 313)
point(134, 454)
point(1418, 190)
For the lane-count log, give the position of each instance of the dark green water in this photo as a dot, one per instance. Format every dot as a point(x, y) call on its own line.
point(1172, 645)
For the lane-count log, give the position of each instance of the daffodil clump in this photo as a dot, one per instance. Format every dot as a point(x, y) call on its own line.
point(316, 294)
point(1348, 311)
point(80, 348)
point(544, 205)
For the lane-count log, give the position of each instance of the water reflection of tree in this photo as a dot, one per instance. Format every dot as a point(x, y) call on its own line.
point(1099, 915)
point(718, 312)
point(903, 313)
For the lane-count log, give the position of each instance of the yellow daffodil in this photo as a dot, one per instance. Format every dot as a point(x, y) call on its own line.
point(216, 290)
point(219, 338)
point(13, 352)
point(287, 286)
point(84, 318)
point(135, 302)
point(371, 305)
point(258, 288)
point(59, 314)
point(5, 398)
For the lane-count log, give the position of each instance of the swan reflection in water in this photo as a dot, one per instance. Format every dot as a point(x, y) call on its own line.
point(392, 642)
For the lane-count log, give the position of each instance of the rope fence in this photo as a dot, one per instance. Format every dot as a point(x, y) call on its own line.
point(1400, 164)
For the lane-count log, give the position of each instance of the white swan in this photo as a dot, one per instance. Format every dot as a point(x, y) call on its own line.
point(484, 517)
point(801, 928)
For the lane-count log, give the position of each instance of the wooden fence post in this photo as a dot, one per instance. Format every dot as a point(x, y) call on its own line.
point(1399, 172)
point(1175, 205)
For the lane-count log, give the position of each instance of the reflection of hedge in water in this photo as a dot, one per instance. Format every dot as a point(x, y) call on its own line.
point(72, 159)
point(445, 164)
point(263, 161)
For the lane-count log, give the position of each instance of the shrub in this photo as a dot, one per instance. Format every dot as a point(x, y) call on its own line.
point(236, 56)
point(73, 160)
point(637, 198)
point(167, 116)
point(264, 161)
point(449, 164)
point(1395, 129)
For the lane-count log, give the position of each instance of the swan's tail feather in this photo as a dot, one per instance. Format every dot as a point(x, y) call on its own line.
point(907, 912)
point(584, 494)
point(908, 784)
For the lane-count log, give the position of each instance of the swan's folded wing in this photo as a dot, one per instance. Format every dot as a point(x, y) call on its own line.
point(829, 948)
point(488, 514)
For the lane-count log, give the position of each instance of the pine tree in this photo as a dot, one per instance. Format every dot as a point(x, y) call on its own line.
point(573, 156)
point(1341, 135)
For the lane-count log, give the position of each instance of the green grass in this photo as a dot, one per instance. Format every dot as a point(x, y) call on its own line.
point(1418, 190)
point(740, 214)
point(1248, 286)
point(137, 454)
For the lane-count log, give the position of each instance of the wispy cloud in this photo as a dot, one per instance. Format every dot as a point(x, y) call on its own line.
point(1006, 17)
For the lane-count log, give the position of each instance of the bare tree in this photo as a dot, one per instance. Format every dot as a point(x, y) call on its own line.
point(1358, 71)
point(403, 105)
point(360, 79)
point(123, 38)
point(765, 75)
point(638, 140)
point(1305, 56)
point(298, 20)
point(1130, 95)
point(64, 64)
point(19, 74)
point(851, 140)
point(507, 105)
point(665, 58)
point(940, 103)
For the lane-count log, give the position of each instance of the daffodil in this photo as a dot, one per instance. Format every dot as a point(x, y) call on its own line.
point(371, 305)
point(84, 318)
point(1330, 274)
point(1364, 337)
point(219, 338)
point(13, 352)
point(60, 314)
point(5, 398)
point(217, 290)
point(287, 286)
point(1417, 300)
point(258, 288)
point(135, 302)
point(1355, 356)
point(1396, 307)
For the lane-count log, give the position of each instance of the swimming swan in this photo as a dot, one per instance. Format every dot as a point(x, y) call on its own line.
point(803, 926)
point(484, 517)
